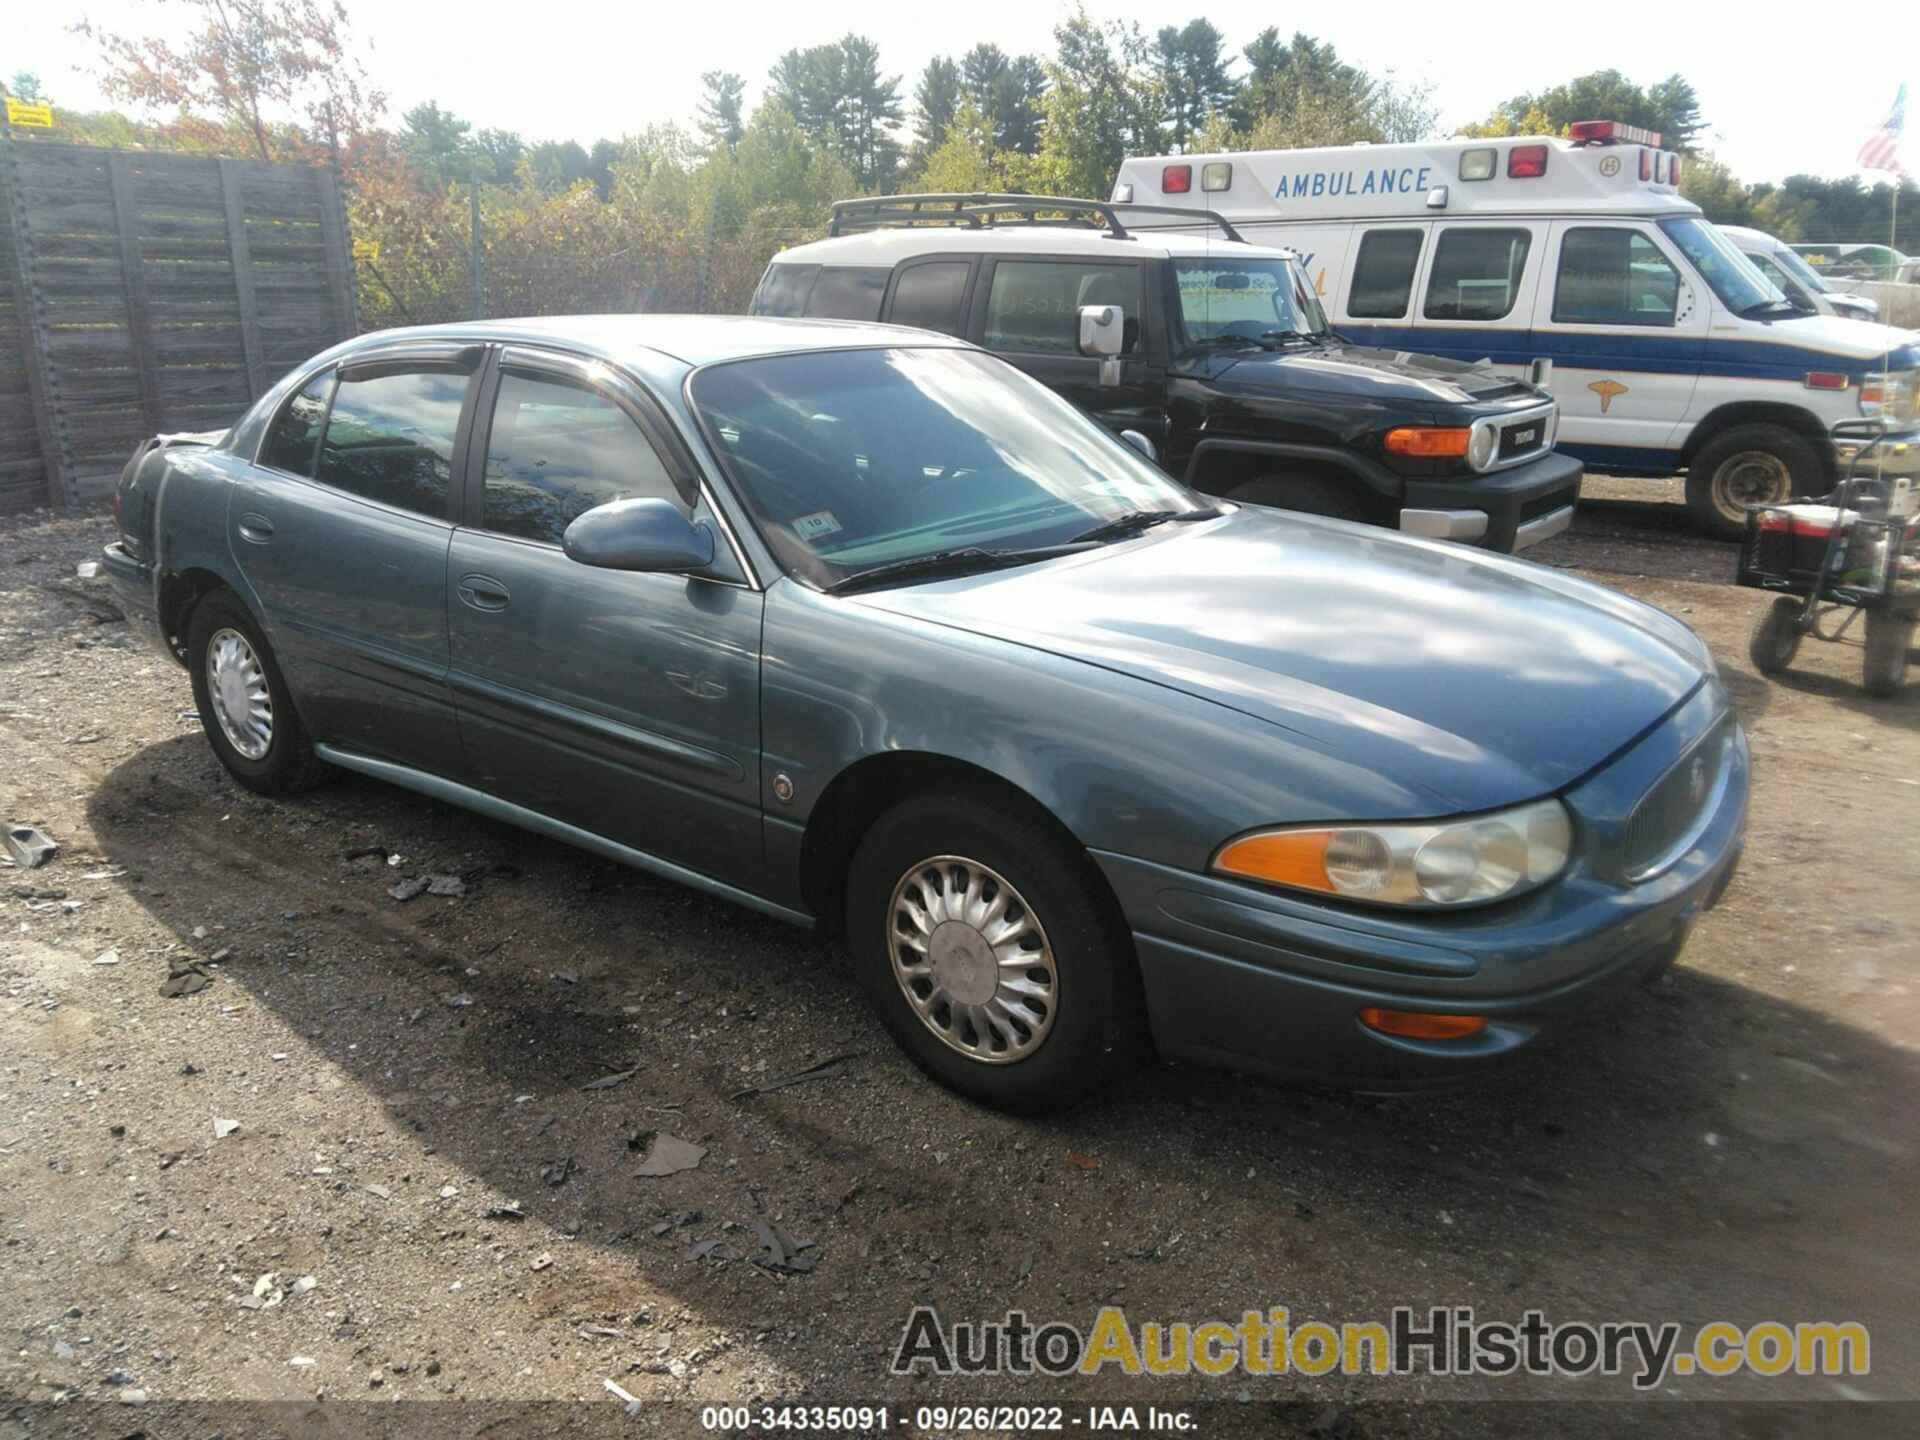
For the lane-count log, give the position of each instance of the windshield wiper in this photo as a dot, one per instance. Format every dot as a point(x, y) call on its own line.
point(1281, 337)
point(1134, 521)
point(1768, 307)
point(957, 561)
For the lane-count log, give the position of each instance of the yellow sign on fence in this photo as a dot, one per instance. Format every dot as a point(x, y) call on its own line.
point(19, 112)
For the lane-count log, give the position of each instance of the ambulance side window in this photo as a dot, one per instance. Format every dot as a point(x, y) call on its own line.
point(1476, 273)
point(1613, 276)
point(1383, 274)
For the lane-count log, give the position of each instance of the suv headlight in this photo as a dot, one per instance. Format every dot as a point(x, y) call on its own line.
point(1891, 395)
point(1483, 444)
point(1475, 860)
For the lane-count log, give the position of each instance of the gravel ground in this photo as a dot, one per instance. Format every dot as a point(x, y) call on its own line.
point(293, 1183)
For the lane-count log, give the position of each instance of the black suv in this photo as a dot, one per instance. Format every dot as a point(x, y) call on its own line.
point(1210, 354)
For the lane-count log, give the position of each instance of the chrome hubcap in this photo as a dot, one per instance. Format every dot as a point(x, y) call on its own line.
point(972, 959)
point(1753, 477)
point(237, 686)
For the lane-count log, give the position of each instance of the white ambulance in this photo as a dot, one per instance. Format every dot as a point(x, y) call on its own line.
point(1577, 264)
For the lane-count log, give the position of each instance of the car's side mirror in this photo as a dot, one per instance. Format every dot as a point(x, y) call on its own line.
point(647, 535)
point(1141, 443)
point(1103, 329)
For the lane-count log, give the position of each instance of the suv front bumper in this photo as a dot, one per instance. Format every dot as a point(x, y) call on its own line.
point(1507, 510)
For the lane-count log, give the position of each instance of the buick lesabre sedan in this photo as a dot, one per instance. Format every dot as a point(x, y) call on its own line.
point(863, 628)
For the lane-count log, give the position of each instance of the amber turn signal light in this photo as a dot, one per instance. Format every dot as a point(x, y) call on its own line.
point(1429, 442)
point(1421, 1025)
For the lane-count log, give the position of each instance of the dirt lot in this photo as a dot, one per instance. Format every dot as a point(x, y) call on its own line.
point(1737, 1143)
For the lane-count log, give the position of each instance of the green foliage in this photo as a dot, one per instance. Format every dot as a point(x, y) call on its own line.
point(1670, 107)
point(839, 98)
point(1192, 65)
point(720, 108)
point(935, 100)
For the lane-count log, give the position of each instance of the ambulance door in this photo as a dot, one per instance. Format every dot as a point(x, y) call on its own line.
point(1477, 289)
point(1375, 300)
point(1625, 330)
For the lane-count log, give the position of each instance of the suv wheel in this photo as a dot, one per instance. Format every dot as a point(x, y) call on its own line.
point(992, 957)
point(243, 701)
point(1745, 466)
point(1314, 495)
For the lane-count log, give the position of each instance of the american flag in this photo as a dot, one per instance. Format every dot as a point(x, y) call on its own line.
point(1882, 150)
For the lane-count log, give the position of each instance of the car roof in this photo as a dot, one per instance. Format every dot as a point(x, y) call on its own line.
point(889, 247)
point(694, 340)
point(1752, 236)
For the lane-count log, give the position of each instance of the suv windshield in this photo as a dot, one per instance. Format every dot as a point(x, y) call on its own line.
point(1223, 297)
point(854, 459)
point(1734, 278)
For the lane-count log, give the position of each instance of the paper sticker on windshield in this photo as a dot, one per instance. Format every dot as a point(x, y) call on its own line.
point(812, 527)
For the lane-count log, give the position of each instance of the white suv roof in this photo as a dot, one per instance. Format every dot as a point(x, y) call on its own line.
point(889, 247)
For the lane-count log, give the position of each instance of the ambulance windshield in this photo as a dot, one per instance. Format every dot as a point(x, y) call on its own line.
point(1734, 278)
point(1257, 301)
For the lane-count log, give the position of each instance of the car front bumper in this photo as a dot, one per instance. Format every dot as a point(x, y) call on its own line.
point(1506, 510)
point(1259, 980)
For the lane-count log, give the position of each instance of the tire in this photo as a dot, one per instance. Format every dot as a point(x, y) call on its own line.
point(286, 762)
point(1888, 639)
point(1313, 495)
point(1776, 636)
point(1079, 1002)
point(1748, 465)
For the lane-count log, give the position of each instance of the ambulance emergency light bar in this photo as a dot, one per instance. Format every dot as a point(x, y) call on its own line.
point(1611, 132)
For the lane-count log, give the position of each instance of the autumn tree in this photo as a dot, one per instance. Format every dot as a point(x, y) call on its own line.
point(276, 76)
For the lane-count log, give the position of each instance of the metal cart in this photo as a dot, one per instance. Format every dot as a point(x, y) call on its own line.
point(1855, 551)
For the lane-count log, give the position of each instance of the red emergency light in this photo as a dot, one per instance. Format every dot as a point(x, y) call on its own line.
point(1610, 132)
point(1525, 162)
point(1176, 179)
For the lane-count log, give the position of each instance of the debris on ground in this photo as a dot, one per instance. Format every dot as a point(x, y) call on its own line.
point(555, 1172)
point(446, 885)
point(512, 1210)
point(632, 1405)
point(185, 976)
point(460, 1001)
point(818, 1071)
point(665, 1154)
point(541, 1261)
point(107, 957)
point(600, 1332)
point(701, 1249)
point(408, 889)
point(607, 1082)
point(780, 1252)
point(29, 847)
point(1082, 1162)
point(223, 1128)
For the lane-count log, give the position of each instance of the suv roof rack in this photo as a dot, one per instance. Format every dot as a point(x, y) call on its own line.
point(984, 211)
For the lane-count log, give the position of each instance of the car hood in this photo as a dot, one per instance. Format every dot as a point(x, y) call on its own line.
point(1473, 679)
point(1367, 372)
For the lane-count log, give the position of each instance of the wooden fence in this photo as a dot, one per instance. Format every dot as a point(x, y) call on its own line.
point(146, 292)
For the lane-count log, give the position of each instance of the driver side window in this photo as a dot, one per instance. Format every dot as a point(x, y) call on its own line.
point(1033, 306)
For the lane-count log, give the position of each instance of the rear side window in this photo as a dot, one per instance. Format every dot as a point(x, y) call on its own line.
point(1613, 276)
point(1476, 274)
point(1383, 274)
point(847, 293)
point(390, 437)
point(783, 290)
point(929, 295)
point(294, 440)
point(1034, 305)
point(557, 450)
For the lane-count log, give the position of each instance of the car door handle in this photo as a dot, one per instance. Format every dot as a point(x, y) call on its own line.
point(256, 528)
point(482, 592)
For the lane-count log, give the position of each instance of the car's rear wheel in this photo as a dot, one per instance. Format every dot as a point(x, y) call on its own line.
point(1776, 636)
point(243, 701)
point(1745, 466)
point(992, 953)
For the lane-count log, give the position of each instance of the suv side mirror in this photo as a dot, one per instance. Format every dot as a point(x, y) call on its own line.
point(646, 535)
point(1102, 330)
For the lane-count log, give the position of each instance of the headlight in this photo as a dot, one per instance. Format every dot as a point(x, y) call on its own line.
point(1472, 861)
point(1482, 444)
point(1891, 396)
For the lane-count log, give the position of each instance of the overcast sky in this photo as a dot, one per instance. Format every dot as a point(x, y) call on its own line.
point(1778, 100)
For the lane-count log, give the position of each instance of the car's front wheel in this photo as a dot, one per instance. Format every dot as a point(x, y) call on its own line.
point(243, 701)
point(992, 954)
point(1746, 466)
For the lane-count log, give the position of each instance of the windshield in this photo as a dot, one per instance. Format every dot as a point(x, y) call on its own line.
point(1244, 299)
point(853, 459)
point(1740, 286)
point(1799, 270)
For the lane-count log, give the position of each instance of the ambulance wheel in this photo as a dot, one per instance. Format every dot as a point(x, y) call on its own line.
point(1888, 637)
point(1776, 636)
point(1745, 466)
